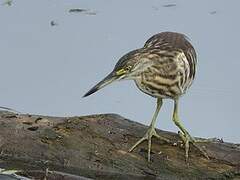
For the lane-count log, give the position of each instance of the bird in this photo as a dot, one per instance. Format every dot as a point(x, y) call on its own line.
point(163, 68)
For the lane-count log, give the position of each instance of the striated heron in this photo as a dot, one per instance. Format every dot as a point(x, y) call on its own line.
point(163, 68)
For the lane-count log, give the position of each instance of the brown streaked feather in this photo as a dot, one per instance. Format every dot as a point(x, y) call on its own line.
point(174, 41)
point(170, 40)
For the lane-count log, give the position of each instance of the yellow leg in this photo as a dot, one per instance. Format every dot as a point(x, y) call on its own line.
point(151, 131)
point(185, 136)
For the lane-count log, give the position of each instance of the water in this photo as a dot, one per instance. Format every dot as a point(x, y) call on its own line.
point(47, 69)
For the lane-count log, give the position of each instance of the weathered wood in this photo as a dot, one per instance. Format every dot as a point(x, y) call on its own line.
point(97, 146)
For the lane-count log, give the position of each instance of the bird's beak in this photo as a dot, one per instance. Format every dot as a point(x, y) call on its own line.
point(113, 76)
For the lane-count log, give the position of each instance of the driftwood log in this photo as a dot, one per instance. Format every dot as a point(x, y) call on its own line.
point(96, 147)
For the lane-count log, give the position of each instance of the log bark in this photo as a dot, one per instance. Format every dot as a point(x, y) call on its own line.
point(96, 147)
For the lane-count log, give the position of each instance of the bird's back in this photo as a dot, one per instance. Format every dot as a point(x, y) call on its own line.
point(174, 41)
point(166, 40)
point(174, 68)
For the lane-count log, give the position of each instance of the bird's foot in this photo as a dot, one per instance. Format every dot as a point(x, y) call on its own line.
point(148, 136)
point(187, 138)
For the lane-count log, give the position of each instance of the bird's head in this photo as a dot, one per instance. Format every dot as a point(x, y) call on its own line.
point(124, 69)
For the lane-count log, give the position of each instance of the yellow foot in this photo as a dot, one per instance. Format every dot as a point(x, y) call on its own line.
point(148, 136)
point(188, 139)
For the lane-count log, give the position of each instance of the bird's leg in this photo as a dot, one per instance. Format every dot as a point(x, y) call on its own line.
point(151, 131)
point(184, 135)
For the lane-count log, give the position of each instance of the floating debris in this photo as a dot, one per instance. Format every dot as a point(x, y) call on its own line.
point(84, 11)
point(53, 23)
point(169, 5)
point(213, 12)
point(8, 2)
point(77, 10)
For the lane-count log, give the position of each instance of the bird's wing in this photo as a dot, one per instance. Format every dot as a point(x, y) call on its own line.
point(169, 40)
point(172, 41)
